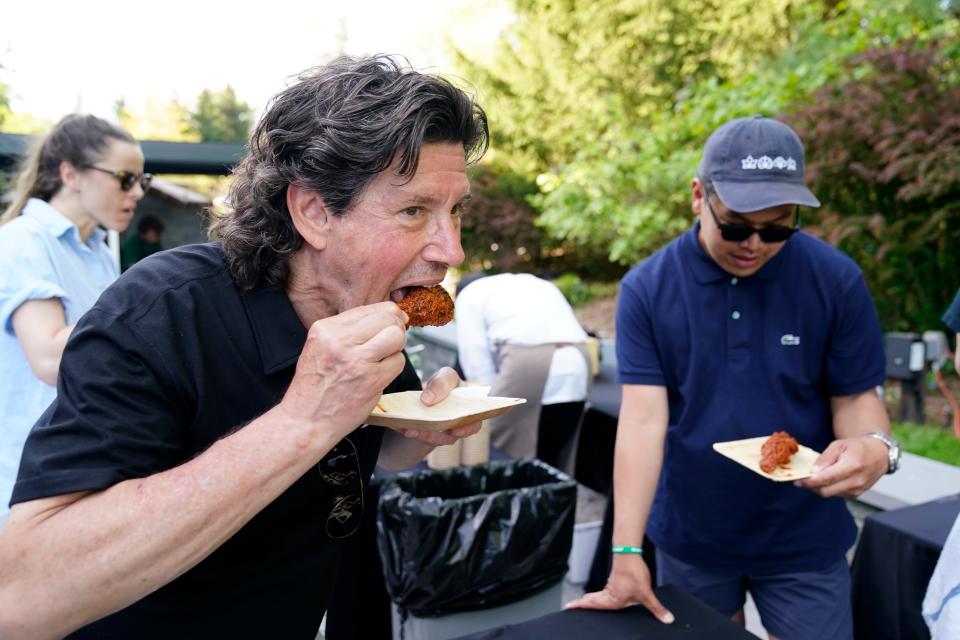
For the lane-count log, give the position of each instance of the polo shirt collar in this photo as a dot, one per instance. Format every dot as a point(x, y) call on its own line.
point(56, 223)
point(705, 270)
point(277, 329)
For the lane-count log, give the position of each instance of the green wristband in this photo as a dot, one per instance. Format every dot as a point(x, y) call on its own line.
point(628, 549)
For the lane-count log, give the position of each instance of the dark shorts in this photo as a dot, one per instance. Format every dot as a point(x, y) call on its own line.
point(793, 606)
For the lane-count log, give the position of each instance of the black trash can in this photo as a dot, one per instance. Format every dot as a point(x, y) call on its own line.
point(474, 537)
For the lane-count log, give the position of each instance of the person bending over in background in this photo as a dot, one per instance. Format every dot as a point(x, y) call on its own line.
point(517, 332)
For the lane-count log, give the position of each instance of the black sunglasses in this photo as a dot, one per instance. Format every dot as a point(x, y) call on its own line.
point(127, 179)
point(340, 469)
point(770, 234)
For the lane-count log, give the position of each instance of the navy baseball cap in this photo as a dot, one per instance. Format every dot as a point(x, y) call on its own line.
point(756, 163)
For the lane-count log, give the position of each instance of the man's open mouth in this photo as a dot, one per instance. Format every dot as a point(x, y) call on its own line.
point(399, 294)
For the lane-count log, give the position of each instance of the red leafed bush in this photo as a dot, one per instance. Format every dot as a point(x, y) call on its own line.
point(498, 232)
point(883, 155)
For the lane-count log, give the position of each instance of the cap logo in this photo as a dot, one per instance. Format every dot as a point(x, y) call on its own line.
point(766, 163)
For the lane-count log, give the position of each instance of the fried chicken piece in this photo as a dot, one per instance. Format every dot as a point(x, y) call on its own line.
point(427, 306)
point(777, 451)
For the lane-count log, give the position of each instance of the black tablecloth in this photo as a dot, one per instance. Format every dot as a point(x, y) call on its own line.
point(695, 621)
point(598, 432)
point(605, 393)
point(894, 561)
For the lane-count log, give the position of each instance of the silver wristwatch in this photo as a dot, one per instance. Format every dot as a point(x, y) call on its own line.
point(893, 450)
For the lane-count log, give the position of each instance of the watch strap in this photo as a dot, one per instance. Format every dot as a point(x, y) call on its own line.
point(893, 450)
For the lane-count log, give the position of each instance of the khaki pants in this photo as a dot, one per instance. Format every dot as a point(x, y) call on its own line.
point(521, 373)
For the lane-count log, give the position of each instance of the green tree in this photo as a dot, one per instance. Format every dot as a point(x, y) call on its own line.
point(121, 110)
point(4, 103)
point(4, 100)
point(497, 231)
point(630, 193)
point(582, 95)
point(220, 116)
point(155, 120)
point(569, 73)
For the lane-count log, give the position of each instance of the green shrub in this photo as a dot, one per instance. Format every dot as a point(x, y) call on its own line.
point(579, 293)
point(928, 441)
point(627, 190)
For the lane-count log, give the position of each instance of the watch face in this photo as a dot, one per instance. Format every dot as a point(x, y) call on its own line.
point(894, 456)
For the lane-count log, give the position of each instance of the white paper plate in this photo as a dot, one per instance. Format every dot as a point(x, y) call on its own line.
point(404, 410)
point(747, 453)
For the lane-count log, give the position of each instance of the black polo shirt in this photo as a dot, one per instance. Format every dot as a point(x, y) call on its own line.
point(170, 359)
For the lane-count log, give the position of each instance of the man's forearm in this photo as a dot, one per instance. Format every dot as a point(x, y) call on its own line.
point(73, 559)
point(638, 457)
point(858, 415)
point(637, 462)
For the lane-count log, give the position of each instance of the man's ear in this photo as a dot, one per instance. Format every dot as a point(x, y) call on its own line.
point(697, 193)
point(310, 215)
point(69, 176)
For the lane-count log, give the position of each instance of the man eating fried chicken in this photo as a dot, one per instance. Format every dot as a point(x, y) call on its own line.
point(204, 459)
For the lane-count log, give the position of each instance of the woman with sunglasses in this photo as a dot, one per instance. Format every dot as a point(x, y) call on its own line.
point(83, 176)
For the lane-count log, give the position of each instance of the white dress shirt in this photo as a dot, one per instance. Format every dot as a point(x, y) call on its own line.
point(941, 605)
point(520, 309)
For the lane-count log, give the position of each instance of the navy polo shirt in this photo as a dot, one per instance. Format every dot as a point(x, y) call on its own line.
point(951, 317)
point(169, 360)
point(741, 358)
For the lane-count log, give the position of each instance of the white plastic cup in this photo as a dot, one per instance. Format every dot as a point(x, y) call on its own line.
point(476, 448)
point(445, 456)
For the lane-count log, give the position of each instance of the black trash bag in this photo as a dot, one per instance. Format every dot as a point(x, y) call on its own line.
point(474, 537)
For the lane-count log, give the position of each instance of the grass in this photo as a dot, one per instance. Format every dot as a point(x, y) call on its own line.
point(931, 442)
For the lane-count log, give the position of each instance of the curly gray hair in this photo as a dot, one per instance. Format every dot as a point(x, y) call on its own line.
point(332, 131)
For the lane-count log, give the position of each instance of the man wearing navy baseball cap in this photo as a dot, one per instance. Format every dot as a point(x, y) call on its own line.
point(739, 328)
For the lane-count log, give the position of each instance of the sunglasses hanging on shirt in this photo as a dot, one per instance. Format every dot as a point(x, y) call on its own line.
point(340, 469)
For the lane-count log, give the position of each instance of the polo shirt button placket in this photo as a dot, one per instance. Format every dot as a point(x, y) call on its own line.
point(734, 281)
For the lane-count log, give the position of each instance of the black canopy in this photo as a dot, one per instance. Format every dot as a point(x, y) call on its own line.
point(211, 158)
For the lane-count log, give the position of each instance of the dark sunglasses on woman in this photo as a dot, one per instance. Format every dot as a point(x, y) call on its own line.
point(340, 469)
point(128, 179)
